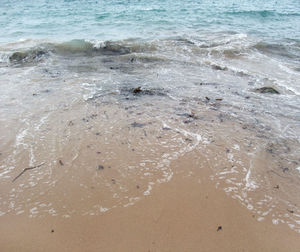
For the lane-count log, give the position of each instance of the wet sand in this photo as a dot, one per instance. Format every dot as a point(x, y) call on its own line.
point(121, 180)
point(185, 214)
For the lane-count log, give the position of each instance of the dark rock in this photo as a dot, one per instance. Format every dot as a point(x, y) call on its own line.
point(52, 230)
point(137, 90)
point(266, 90)
point(192, 115)
point(114, 68)
point(220, 68)
point(61, 163)
point(219, 228)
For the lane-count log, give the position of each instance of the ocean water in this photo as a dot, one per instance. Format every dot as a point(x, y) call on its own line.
point(146, 82)
point(106, 20)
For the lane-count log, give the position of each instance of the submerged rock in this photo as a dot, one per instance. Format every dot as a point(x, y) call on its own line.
point(266, 90)
point(133, 93)
point(111, 48)
point(148, 91)
point(219, 68)
point(18, 56)
point(27, 56)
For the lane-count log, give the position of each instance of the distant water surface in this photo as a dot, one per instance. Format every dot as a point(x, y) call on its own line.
point(117, 19)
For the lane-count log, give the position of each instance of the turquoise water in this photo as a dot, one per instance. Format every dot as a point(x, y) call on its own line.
point(117, 19)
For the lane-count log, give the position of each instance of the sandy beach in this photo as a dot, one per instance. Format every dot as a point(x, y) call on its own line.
point(182, 215)
point(106, 196)
point(149, 126)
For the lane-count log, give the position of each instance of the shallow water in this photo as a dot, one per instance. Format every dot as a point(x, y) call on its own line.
point(108, 113)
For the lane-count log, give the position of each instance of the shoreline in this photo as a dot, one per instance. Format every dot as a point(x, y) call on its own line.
point(166, 145)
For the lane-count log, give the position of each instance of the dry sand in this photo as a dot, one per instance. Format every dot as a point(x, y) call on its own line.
point(181, 215)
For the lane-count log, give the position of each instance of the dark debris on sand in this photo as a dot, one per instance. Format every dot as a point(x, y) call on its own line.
point(132, 93)
point(137, 125)
point(100, 167)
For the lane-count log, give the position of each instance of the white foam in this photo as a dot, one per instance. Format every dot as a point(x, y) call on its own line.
point(33, 210)
point(250, 184)
point(250, 207)
point(103, 209)
point(147, 192)
point(260, 218)
point(236, 147)
point(20, 212)
point(20, 137)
